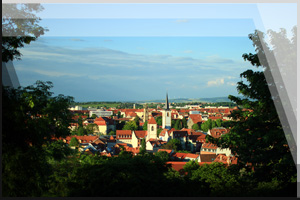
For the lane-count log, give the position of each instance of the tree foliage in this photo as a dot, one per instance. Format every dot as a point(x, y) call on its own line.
point(31, 118)
point(131, 125)
point(20, 26)
point(257, 135)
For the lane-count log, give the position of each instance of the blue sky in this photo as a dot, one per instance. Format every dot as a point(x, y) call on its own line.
point(117, 52)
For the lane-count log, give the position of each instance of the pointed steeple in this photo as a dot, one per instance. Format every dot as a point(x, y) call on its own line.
point(167, 102)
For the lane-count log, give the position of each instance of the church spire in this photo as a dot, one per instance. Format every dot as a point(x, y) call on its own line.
point(167, 102)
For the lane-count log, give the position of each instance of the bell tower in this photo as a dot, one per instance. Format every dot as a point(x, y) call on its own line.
point(166, 115)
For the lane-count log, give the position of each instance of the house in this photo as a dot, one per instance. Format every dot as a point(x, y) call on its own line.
point(226, 159)
point(124, 136)
point(165, 135)
point(185, 157)
point(208, 148)
point(105, 125)
point(111, 142)
point(217, 132)
point(182, 136)
point(207, 157)
point(154, 144)
point(194, 119)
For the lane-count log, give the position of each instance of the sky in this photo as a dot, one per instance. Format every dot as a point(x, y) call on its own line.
point(118, 52)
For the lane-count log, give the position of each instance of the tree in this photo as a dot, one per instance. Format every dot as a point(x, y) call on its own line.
point(112, 133)
point(145, 126)
point(257, 135)
point(20, 26)
point(218, 122)
point(159, 120)
point(174, 144)
point(195, 127)
point(190, 166)
point(143, 147)
point(94, 116)
point(81, 131)
point(184, 123)
point(177, 125)
point(74, 142)
point(137, 121)
point(131, 125)
point(163, 155)
point(159, 131)
point(31, 118)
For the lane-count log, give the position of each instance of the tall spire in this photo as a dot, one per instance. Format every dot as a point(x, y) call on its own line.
point(167, 102)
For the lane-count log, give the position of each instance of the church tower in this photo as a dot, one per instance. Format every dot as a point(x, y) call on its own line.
point(166, 115)
point(152, 129)
point(146, 114)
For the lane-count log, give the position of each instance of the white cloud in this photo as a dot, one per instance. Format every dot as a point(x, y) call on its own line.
point(216, 82)
point(231, 83)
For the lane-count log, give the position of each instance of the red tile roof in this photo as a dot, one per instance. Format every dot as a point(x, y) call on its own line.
point(100, 121)
point(82, 139)
point(140, 134)
point(209, 146)
point(123, 134)
point(166, 150)
point(191, 155)
point(196, 118)
point(152, 121)
point(217, 132)
point(226, 159)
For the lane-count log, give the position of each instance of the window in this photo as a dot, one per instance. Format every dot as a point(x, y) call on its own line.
point(167, 114)
point(152, 128)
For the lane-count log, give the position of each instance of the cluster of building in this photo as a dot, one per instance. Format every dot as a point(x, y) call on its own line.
point(131, 140)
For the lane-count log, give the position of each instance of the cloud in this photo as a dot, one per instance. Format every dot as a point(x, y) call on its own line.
point(180, 21)
point(48, 73)
point(119, 71)
point(231, 83)
point(216, 82)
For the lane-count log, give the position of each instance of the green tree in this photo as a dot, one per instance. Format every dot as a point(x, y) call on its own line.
point(81, 131)
point(20, 30)
point(159, 120)
point(145, 126)
point(221, 181)
point(177, 125)
point(131, 125)
point(74, 142)
point(195, 127)
point(184, 123)
point(31, 117)
point(137, 121)
point(94, 116)
point(174, 144)
point(143, 147)
point(112, 133)
point(218, 122)
point(163, 155)
point(190, 166)
point(257, 135)
point(159, 131)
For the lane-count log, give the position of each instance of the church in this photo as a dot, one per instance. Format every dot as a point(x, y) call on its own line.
point(134, 138)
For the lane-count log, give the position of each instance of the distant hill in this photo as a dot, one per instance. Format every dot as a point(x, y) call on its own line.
point(187, 100)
